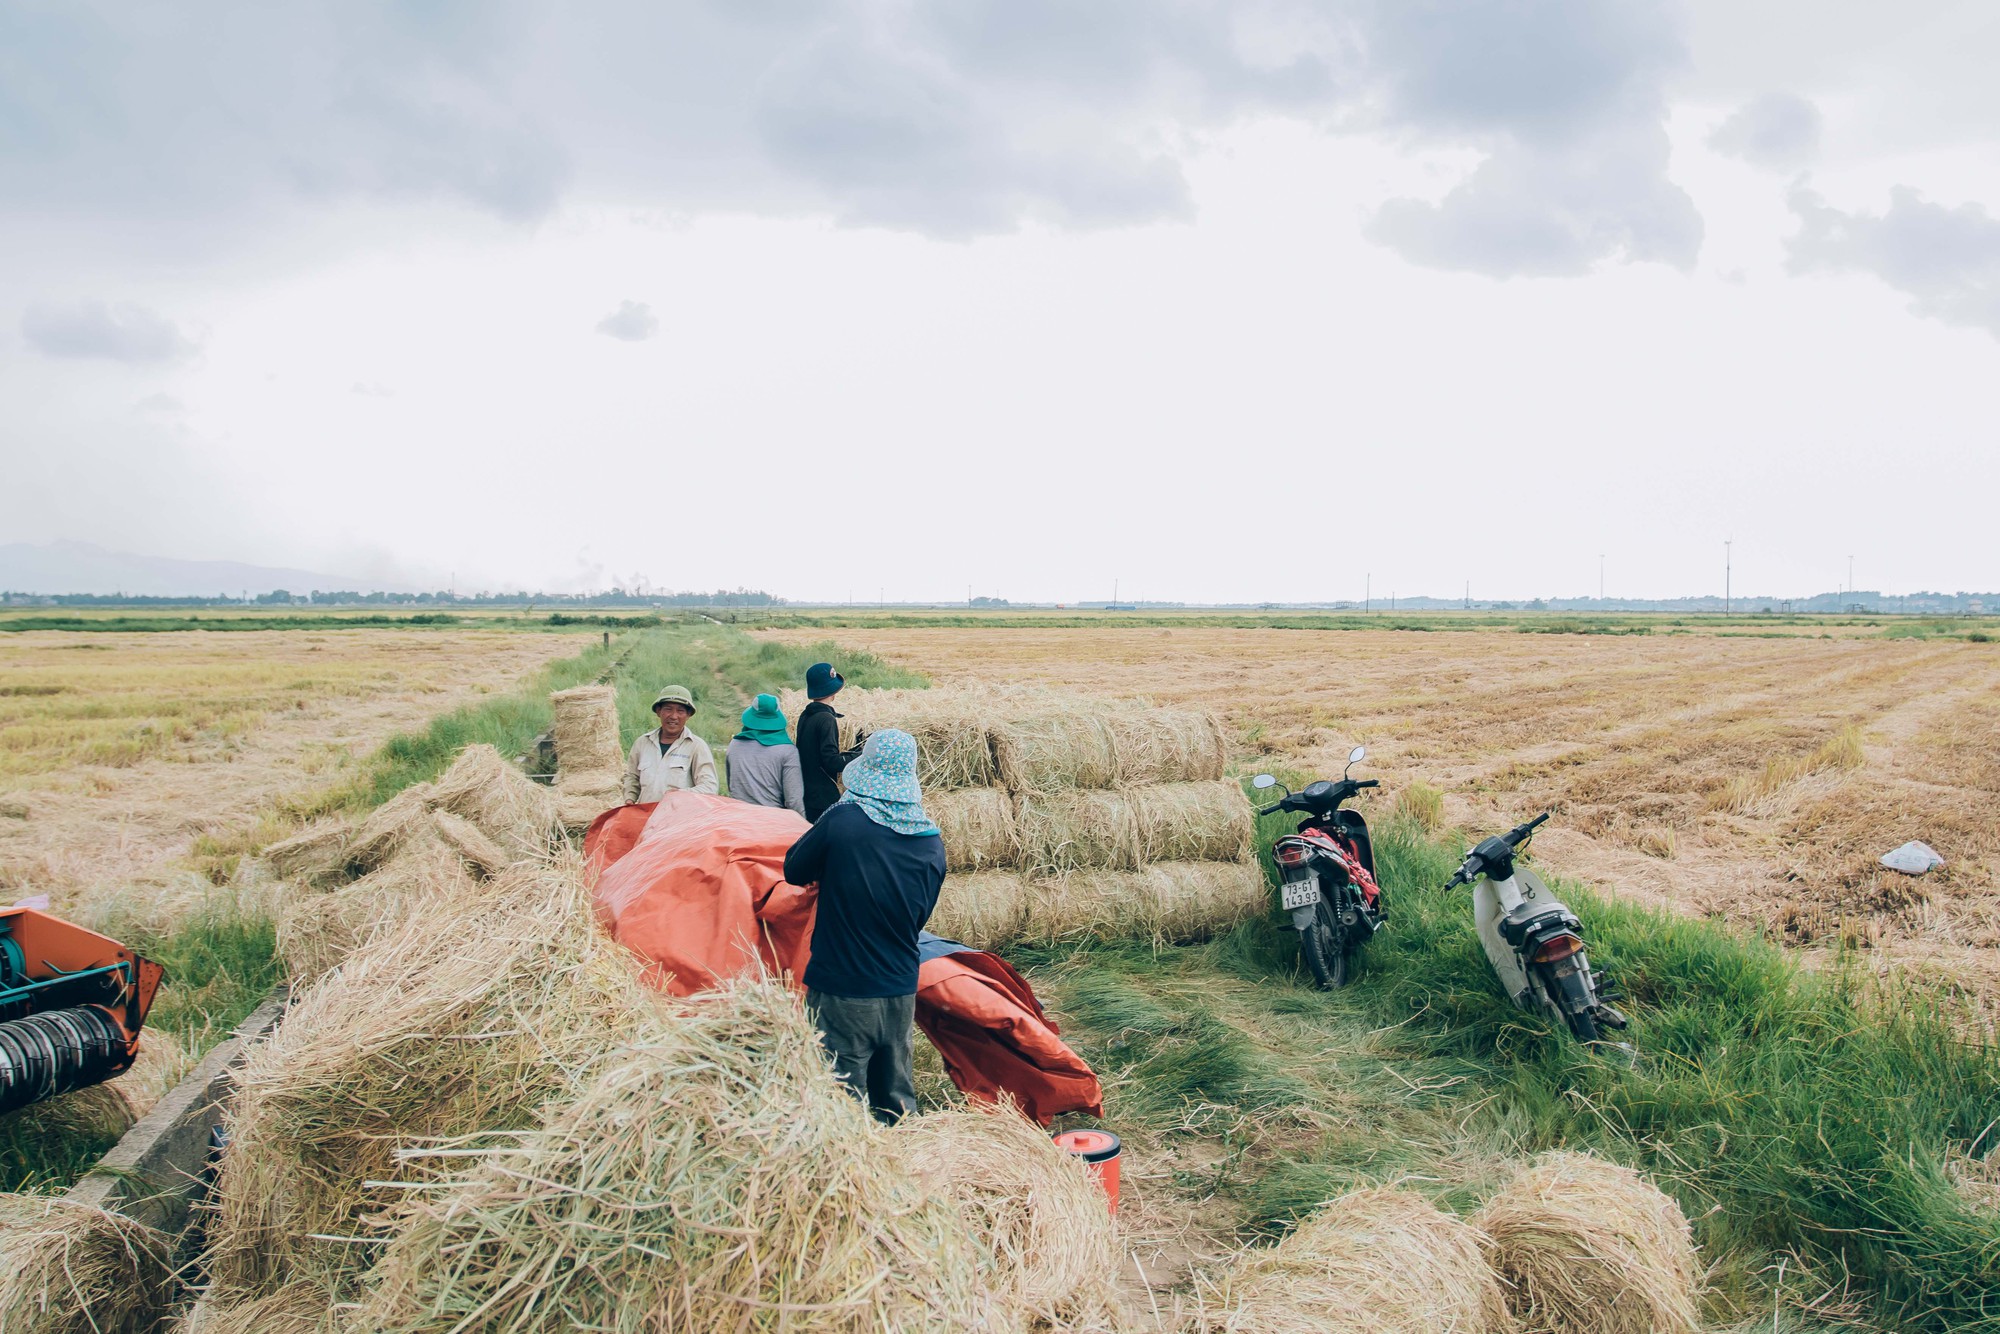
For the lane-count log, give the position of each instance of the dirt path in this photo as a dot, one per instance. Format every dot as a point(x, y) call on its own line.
point(135, 745)
point(1644, 746)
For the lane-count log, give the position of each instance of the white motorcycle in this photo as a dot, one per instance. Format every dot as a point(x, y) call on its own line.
point(1534, 943)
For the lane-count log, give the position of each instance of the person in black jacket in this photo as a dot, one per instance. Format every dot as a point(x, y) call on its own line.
point(820, 754)
point(879, 863)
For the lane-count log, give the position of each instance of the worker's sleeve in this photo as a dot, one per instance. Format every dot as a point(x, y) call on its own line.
point(825, 749)
point(628, 787)
point(792, 778)
point(807, 857)
point(704, 769)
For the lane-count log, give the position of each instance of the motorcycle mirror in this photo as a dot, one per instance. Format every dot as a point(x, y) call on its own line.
point(1358, 754)
point(1262, 781)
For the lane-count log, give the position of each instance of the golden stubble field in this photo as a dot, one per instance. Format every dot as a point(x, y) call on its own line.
point(1754, 779)
point(118, 752)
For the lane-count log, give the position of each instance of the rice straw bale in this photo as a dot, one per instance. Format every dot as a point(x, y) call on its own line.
point(509, 807)
point(1378, 1261)
point(984, 909)
point(481, 855)
point(69, 1268)
point(709, 1176)
point(582, 798)
point(1055, 748)
point(586, 729)
point(1166, 745)
point(1180, 902)
point(1589, 1247)
point(461, 1019)
point(1193, 822)
point(1036, 1208)
point(390, 826)
point(979, 827)
point(1085, 828)
point(296, 1308)
point(317, 933)
point(315, 854)
point(949, 727)
point(100, 1111)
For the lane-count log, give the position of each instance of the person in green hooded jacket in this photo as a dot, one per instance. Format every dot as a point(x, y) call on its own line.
point(763, 763)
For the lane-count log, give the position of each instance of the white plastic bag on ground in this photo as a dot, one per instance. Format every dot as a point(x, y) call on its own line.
point(1913, 858)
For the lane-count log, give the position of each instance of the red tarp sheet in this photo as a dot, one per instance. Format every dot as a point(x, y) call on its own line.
point(696, 884)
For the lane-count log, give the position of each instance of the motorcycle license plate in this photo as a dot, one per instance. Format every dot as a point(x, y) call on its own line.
point(1299, 893)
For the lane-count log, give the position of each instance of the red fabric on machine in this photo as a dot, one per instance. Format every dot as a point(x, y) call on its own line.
point(696, 885)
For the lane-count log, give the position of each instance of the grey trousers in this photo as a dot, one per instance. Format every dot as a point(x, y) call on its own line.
point(873, 1048)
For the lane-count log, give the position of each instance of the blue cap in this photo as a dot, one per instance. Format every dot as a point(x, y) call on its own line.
point(822, 680)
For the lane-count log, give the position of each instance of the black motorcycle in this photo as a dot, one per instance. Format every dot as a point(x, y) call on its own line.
point(1326, 873)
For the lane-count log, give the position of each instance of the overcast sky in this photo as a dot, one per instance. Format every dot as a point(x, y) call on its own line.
point(1221, 301)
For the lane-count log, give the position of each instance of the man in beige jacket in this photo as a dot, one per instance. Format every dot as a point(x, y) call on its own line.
point(673, 756)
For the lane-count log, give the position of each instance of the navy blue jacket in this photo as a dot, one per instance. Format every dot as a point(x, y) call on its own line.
point(876, 890)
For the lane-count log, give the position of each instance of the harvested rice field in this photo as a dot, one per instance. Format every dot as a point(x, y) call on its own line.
point(127, 758)
point(1751, 779)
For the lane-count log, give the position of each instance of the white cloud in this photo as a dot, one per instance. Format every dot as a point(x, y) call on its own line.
point(1946, 259)
point(632, 322)
point(1778, 131)
point(94, 329)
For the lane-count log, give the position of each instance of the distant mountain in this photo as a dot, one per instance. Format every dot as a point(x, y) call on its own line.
point(80, 567)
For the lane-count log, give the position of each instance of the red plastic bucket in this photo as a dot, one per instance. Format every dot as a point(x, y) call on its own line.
point(1100, 1149)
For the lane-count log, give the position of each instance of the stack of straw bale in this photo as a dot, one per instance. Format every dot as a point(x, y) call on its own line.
point(1066, 816)
point(1589, 1247)
point(1036, 1208)
point(462, 1018)
point(709, 1175)
point(315, 854)
point(590, 762)
point(1379, 1261)
point(68, 1268)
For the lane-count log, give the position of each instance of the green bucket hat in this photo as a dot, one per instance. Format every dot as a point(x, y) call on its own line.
point(763, 723)
point(675, 695)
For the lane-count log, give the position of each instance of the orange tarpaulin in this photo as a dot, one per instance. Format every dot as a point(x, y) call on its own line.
point(702, 893)
point(696, 884)
point(983, 1018)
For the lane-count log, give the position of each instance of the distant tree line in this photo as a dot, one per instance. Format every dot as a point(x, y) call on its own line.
point(617, 597)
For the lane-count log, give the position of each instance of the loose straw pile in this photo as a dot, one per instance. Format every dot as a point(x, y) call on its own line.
point(466, 1018)
point(709, 1176)
point(68, 1268)
point(1036, 1208)
point(1379, 1261)
point(1589, 1247)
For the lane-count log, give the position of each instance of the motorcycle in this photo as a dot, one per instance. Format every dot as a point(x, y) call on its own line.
point(1326, 873)
point(1534, 943)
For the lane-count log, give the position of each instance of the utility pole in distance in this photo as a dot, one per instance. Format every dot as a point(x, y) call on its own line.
point(1726, 542)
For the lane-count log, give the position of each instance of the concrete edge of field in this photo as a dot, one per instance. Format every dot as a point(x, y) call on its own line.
point(155, 1172)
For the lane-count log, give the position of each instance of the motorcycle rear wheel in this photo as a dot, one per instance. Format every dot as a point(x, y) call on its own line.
point(1327, 949)
point(1582, 1024)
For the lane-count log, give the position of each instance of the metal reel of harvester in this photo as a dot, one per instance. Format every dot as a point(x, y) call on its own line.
point(71, 1006)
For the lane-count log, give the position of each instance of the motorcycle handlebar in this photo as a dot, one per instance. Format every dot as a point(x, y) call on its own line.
point(1521, 832)
point(1368, 782)
point(1272, 809)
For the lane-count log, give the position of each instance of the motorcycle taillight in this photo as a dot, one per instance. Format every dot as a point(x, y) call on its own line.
point(1557, 947)
point(1290, 854)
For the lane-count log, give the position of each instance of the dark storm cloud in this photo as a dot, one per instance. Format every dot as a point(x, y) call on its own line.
point(632, 322)
point(1778, 131)
point(1947, 260)
point(949, 119)
point(94, 329)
